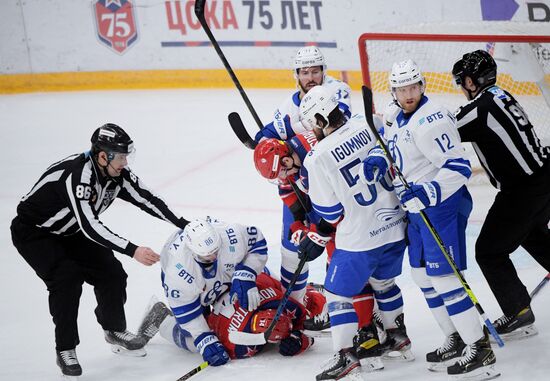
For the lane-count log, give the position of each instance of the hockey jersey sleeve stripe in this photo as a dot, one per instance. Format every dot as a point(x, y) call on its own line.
point(345, 109)
point(89, 223)
point(63, 229)
point(460, 165)
point(494, 125)
point(467, 118)
point(58, 216)
point(54, 176)
point(522, 134)
point(330, 213)
point(260, 247)
point(184, 314)
point(134, 193)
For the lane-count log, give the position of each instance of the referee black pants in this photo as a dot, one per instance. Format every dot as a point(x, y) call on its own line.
point(518, 218)
point(64, 264)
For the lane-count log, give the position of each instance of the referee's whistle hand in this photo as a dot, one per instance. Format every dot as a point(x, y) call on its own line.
point(146, 256)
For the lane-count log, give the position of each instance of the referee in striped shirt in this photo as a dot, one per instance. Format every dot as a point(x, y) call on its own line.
point(517, 165)
point(58, 232)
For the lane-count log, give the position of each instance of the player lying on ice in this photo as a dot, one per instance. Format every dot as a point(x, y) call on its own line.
point(212, 276)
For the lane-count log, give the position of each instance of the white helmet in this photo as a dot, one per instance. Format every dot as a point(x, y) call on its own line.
point(203, 240)
point(405, 73)
point(309, 56)
point(318, 100)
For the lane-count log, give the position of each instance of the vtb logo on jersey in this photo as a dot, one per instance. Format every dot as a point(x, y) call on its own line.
point(115, 23)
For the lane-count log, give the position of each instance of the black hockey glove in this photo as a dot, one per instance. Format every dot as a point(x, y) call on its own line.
point(313, 244)
point(295, 344)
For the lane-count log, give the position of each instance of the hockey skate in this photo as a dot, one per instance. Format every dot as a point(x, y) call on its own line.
point(343, 366)
point(377, 320)
point(125, 343)
point(368, 349)
point(478, 362)
point(447, 354)
point(516, 327)
point(68, 363)
point(149, 327)
point(397, 346)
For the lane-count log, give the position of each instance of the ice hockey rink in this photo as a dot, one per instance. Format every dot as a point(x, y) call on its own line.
point(188, 154)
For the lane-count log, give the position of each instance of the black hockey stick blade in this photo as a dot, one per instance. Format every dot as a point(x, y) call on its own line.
point(192, 372)
point(239, 129)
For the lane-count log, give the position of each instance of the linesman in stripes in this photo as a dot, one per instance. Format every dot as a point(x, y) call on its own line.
point(58, 232)
point(517, 165)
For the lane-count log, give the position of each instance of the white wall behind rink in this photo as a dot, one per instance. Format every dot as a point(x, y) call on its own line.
point(41, 36)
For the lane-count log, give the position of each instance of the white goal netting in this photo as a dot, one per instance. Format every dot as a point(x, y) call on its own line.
point(521, 50)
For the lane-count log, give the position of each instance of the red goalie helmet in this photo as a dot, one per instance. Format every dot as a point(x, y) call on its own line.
point(268, 155)
point(262, 319)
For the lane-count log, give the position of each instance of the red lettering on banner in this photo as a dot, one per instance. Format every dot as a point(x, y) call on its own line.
point(178, 23)
point(229, 15)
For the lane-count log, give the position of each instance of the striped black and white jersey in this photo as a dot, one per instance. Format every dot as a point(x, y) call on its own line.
point(503, 138)
point(72, 193)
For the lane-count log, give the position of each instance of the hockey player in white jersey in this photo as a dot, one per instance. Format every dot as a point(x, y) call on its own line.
point(369, 236)
point(212, 258)
point(425, 144)
point(309, 70)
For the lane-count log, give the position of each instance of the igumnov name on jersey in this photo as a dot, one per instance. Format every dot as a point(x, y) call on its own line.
point(72, 193)
point(372, 217)
point(189, 286)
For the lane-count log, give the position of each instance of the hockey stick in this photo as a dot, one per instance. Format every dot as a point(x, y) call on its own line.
point(540, 286)
point(246, 338)
point(367, 101)
point(238, 128)
point(191, 373)
point(199, 12)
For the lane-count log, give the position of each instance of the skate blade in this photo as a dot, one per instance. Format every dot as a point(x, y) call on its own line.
point(66, 377)
point(126, 352)
point(441, 366)
point(404, 355)
point(518, 334)
point(353, 375)
point(483, 373)
point(318, 334)
point(371, 364)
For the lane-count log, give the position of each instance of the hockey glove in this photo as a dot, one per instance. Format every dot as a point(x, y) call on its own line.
point(374, 167)
point(295, 344)
point(243, 288)
point(297, 232)
point(419, 196)
point(313, 244)
point(211, 349)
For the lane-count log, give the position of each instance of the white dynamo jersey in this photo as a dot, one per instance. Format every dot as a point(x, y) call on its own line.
point(291, 107)
point(189, 287)
point(426, 147)
point(372, 217)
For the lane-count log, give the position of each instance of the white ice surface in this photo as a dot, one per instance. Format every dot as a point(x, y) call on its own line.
point(188, 154)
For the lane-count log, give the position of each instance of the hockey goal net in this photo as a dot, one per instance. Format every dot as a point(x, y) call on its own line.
point(522, 53)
